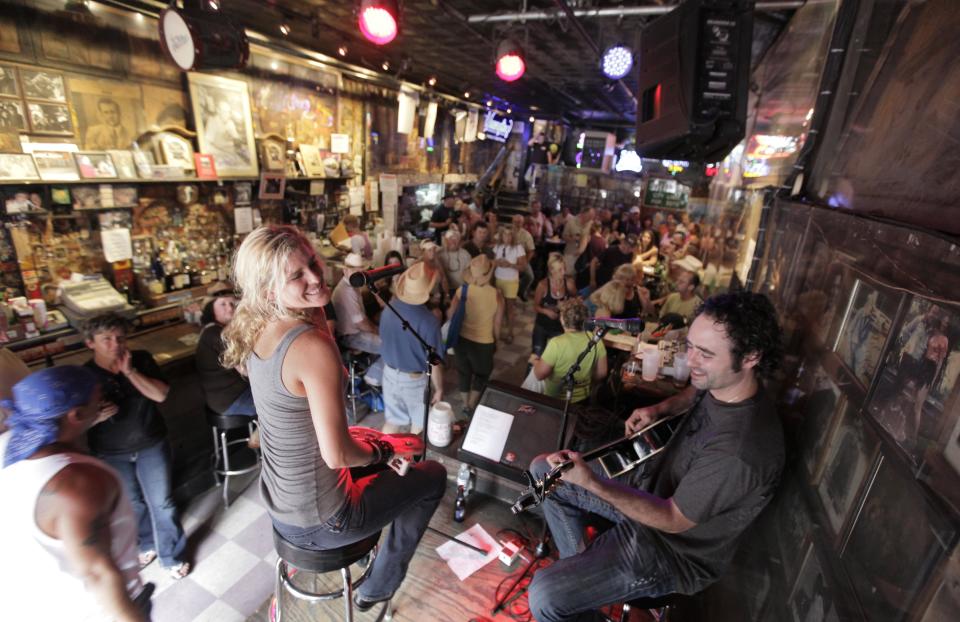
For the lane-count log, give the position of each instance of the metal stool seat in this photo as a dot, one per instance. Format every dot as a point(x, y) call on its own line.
point(659, 606)
point(357, 362)
point(221, 424)
point(328, 560)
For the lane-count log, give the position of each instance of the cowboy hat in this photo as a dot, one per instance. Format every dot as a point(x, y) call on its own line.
point(479, 271)
point(356, 260)
point(415, 284)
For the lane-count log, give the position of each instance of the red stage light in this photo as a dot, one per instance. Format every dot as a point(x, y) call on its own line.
point(378, 20)
point(510, 64)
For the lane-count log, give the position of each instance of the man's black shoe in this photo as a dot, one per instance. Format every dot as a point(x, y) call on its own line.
point(362, 604)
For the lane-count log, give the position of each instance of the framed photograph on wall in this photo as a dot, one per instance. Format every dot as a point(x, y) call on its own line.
point(95, 165)
point(123, 160)
point(866, 323)
point(56, 165)
point(811, 598)
point(918, 376)
point(221, 111)
point(17, 167)
point(175, 150)
point(821, 406)
point(945, 604)
point(272, 185)
point(273, 153)
point(894, 545)
point(9, 81)
point(109, 113)
point(793, 527)
point(12, 118)
point(53, 119)
point(242, 192)
point(43, 84)
point(312, 162)
point(850, 454)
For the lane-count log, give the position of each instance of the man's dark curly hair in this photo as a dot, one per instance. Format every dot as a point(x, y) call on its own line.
point(750, 322)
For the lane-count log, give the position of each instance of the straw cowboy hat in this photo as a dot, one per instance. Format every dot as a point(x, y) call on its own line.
point(479, 271)
point(415, 284)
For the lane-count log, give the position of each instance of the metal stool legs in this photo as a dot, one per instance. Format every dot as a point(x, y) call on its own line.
point(221, 459)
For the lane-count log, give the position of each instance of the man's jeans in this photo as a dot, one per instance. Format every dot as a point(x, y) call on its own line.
point(384, 498)
point(403, 397)
point(146, 478)
point(242, 406)
point(621, 564)
point(370, 343)
point(526, 280)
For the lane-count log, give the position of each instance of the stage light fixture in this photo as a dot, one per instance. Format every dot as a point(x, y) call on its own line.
point(489, 103)
point(342, 50)
point(509, 110)
point(432, 81)
point(510, 63)
point(617, 61)
point(466, 94)
point(378, 20)
point(532, 119)
point(284, 29)
point(385, 66)
point(213, 4)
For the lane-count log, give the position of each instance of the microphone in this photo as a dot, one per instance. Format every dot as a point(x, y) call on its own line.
point(630, 325)
point(365, 277)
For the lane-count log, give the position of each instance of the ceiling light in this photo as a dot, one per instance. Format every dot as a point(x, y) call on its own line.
point(617, 61)
point(284, 29)
point(489, 103)
point(342, 50)
point(432, 81)
point(509, 110)
point(532, 119)
point(510, 64)
point(466, 94)
point(385, 66)
point(213, 4)
point(378, 20)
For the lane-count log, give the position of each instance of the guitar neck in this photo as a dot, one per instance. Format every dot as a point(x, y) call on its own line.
point(602, 449)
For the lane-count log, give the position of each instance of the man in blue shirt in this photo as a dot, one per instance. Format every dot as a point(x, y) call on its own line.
point(404, 374)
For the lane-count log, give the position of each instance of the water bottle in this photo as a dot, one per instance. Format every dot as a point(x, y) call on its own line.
point(464, 486)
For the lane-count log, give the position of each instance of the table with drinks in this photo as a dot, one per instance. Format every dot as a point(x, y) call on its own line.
point(655, 365)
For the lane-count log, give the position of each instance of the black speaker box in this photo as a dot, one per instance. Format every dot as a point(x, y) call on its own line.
point(694, 75)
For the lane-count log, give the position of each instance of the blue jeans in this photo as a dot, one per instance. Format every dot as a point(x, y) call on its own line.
point(243, 405)
point(621, 564)
point(405, 504)
point(146, 478)
point(370, 343)
point(403, 397)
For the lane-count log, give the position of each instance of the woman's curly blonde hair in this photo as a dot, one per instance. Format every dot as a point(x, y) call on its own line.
point(258, 273)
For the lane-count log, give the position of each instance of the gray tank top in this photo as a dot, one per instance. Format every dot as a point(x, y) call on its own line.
point(298, 488)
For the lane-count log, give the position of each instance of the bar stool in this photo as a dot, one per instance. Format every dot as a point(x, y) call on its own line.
point(658, 606)
point(357, 362)
point(221, 424)
point(319, 562)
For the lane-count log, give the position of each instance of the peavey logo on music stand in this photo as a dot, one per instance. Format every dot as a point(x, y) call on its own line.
point(526, 409)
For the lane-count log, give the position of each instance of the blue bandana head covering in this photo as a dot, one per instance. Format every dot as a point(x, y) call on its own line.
point(39, 401)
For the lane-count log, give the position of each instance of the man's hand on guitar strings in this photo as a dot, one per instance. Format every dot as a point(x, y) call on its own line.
point(579, 473)
point(639, 419)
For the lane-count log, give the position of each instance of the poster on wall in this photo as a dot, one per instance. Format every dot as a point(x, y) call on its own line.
point(810, 598)
point(848, 460)
point(109, 113)
point(918, 376)
point(163, 107)
point(820, 413)
point(866, 324)
point(300, 113)
point(221, 111)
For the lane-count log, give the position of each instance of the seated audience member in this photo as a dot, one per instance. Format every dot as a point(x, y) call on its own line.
point(354, 328)
point(620, 298)
point(454, 260)
point(562, 352)
point(225, 390)
point(69, 535)
point(298, 380)
point(677, 525)
point(647, 252)
point(359, 241)
point(12, 371)
point(684, 301)
point(479, 241)
point(133, 441)
point(404, 377)
point(611, 259)
point(550, 293)
point(510, 261)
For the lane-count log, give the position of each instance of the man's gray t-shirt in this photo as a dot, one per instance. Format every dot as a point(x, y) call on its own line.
point(721, 469)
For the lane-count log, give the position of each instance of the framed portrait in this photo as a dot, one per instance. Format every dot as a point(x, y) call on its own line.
point(896, 541)
point(49, 119)
point(272, 185)
point(12, 118)
point(109, 113)
point(850, 454)
point(793, 526)
point(312, 162)
point(56, 165)
point(17, 167)
point(221, 111)
point(125, 196)
point(9, 82)
point(273, 154)
point(811, 597)
point(866, 324)
point(175, 150)
point(95, 165)
point(242, 192)
point(43, 84)
point(918, 376)
point(820, 407)
point(123, 160)
point(86, 197)
point(143, 160)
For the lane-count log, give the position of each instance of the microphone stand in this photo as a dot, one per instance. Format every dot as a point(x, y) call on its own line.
point(543, 547)
point(433, 358)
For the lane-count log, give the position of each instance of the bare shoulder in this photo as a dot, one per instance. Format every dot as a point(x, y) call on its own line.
point(78, 488)
point(314, 348)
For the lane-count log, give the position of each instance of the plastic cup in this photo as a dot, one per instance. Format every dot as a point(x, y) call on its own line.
point(681, 369)
point(651, 364)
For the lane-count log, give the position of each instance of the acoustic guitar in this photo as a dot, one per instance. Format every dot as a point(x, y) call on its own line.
point(405, 446)
point(616, 458)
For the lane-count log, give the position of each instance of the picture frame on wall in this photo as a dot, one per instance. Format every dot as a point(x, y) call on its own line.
point(43, 84)
point(848, 462)
point(143, 160)
point(866, 324)
point(821, 406)
point(945, 603)
point(793, 526)
point(312, 162)
point(242, 193)
point(12, 118)
point(175, 150)
point(56, 165)
point(123, 160)
point(273, 153)
point(918, 377)
point(95, 165)
point(811, 598)
point(49, 118)
point(272, 185)
point(894, 544)
point(221, 111)
point(9, 81)
point(18, 167)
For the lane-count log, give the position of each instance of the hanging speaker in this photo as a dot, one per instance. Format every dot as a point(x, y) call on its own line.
point(197, 40)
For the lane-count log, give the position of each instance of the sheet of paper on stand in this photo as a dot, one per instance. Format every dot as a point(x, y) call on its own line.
point(488, 432)
point(464, 561)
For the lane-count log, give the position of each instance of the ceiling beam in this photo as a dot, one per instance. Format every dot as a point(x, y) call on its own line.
point(623, 11)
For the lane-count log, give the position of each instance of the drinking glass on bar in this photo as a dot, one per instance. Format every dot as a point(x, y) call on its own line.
point(651, 363)
point(681, 369)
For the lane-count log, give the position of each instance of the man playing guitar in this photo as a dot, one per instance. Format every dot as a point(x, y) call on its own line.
point(676, 525)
